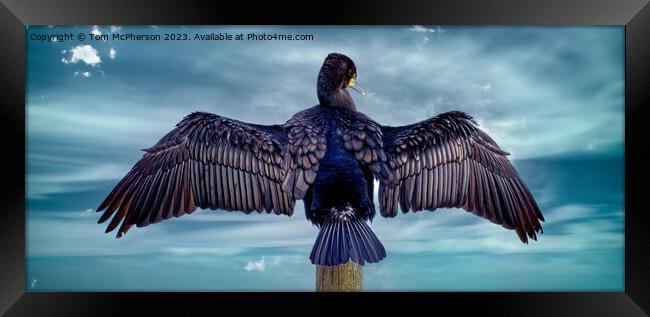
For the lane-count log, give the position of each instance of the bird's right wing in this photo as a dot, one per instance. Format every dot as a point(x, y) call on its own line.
point(207, 161)
point(447, 161)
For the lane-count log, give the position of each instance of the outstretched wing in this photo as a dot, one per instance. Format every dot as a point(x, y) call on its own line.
point(447, 161)
point(207, 161)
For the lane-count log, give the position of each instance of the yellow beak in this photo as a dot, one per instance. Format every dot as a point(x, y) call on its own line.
point(354, 85)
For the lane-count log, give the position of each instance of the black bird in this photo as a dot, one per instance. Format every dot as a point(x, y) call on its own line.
point(328, 156)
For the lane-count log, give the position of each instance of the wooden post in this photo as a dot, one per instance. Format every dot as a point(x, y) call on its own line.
point(346, 277)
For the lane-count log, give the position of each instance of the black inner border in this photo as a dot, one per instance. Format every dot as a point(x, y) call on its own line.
point(16, 14)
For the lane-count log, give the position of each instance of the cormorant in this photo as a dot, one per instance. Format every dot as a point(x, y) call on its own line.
point(328, 156)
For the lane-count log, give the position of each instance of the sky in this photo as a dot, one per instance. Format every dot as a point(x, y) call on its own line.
point(551, 96)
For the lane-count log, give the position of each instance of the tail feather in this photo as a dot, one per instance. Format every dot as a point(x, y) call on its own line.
point(341, 240)
point(371, 248)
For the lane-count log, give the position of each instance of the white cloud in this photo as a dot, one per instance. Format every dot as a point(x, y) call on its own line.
point(85, 53)
point(487, 87)
point(112, 53)
point(259, 265)
point(421, 29)
point(84, 74)
point(96, 31)
point(115, 29)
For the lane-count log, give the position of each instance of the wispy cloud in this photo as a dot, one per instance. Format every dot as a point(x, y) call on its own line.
point(71, 178)
point(87, 173)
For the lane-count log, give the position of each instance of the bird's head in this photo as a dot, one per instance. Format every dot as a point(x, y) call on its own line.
point(340, 72)
point(336, 75)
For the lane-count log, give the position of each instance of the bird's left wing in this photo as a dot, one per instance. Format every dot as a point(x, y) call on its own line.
point(207, 161)
point(447, 161)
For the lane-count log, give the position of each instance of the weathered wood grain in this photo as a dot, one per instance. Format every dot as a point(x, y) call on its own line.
point(346, 277)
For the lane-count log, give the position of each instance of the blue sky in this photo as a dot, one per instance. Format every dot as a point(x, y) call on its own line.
point(551, 96)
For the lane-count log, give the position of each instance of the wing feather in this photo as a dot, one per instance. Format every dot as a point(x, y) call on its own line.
point(207, 161)
point(447, 161)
